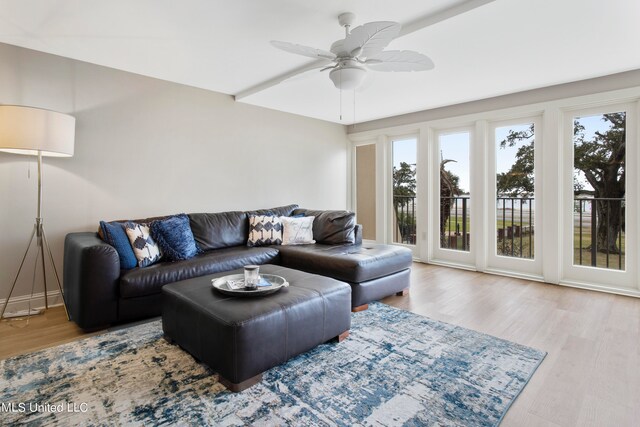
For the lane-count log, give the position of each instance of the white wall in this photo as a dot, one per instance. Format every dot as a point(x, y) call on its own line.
point(146, 147)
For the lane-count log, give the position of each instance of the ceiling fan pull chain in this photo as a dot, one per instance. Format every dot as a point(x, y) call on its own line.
point(340, 96)
point(354, 106)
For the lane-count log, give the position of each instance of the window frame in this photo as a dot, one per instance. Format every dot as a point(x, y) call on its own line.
point(583, 274)
point(464, 259)
point(502, 263)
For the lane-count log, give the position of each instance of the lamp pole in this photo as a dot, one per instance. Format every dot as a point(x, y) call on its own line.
point(42, 245)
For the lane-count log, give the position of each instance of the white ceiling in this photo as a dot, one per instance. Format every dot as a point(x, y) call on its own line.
point(501, 47)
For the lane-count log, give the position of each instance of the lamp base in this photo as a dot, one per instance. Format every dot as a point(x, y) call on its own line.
point(42, 247)
point(23, 313)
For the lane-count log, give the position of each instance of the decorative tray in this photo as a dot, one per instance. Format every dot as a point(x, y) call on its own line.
point(234, 285)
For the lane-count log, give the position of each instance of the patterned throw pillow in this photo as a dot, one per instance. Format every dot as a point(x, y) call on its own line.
point(264, 230)
point(297, 231)
point(146, 250)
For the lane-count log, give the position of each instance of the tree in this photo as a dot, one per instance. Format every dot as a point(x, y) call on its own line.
point(518, 181)
point(404, 183)
point(449, 188)
point(601, 161)
point(599, 158)
point(404, 193)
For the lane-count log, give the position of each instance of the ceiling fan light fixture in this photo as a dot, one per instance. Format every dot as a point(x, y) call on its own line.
point(347, 77)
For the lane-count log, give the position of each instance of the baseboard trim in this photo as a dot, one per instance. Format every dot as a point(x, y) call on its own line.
point(451, 264)
point(507, 273)
point(628, 292)
point(21, 302)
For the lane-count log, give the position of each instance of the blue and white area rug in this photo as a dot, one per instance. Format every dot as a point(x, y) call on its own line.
point(396, 368)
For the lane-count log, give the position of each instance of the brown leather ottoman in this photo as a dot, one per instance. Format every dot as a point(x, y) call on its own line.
point(242, 337)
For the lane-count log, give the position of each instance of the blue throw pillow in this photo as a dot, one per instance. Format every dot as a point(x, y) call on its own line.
point(174, 237)
point(113, 233)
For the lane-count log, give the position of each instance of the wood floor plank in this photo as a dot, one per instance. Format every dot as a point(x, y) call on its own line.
point(590, 376)
point(20, 336)
point(596, 412)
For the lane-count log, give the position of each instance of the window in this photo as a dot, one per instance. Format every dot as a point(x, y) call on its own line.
point(404, 191)
point(599, 145)
point(515, 190)
point(454, 219)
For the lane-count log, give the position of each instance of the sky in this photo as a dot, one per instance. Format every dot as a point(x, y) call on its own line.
point(455, 146)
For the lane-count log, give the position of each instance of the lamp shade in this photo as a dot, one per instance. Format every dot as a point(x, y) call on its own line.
point(28, 130)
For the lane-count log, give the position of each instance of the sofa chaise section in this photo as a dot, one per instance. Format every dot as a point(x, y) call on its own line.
point(373, 271)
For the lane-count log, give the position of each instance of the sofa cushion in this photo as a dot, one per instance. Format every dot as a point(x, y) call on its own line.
point(279, 211)
point(149, 281)
point(219, 230)
point(264, 230)
point(350, 263)
point(331, 227)
point(144, 247)
point(174, 237)
point(113, 233)
point(297, 231)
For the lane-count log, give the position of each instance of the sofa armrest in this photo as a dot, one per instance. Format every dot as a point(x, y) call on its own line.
point(358, 234)
point(91, 275)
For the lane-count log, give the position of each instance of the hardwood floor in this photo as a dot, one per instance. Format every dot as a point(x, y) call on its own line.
point(18, 336)
point(590, 377)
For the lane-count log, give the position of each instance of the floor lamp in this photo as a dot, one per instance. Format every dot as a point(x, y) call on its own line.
point(36, 132)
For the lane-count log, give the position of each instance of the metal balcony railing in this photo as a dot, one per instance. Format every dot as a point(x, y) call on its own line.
point(455, 230)
point(404, 230)
point(599, 221)
point(515, 235)
point(515, 231)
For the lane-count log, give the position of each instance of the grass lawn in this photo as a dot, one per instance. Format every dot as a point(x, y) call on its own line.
point(615, 262)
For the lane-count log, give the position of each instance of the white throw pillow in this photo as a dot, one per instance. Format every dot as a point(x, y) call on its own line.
point(264, 230)
point(144, 247)
point(297, 231)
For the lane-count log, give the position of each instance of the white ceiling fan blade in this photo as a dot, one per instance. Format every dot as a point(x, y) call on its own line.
point(299, 49)
point(400, 60)
point(372, 38)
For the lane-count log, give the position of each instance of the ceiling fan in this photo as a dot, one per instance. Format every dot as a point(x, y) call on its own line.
point(361, 50)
